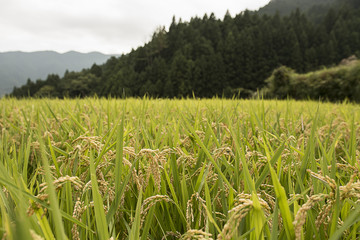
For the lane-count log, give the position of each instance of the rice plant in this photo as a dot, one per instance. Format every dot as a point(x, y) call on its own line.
point(179, 169)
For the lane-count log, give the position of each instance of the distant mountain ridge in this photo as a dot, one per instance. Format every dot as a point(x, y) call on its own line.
point(285, 7)
point(16, 67)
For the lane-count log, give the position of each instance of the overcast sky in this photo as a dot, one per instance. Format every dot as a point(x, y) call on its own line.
point(108, 26)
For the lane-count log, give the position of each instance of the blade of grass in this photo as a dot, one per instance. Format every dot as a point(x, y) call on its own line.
point(273, 160)
point(116, 203)
point(257, 219)
point(27, 195)
point(119, 155)
point(54, 203)
point(147, 225)
point(207, 153)
point(209, 210)
point(240, 154)
point(83, 130)
point(353, 218)
point(101, 223)
point(5, 216)
point(53, 157)
point(275, 222)
point(353, 142)
point(310, 149)
point(26, 159)
point(283, 205)
point(135, 228)
point(336, 213)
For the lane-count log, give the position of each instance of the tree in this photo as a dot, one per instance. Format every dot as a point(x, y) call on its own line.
point(96, 70)
point(46, 91)
point(180, 76)
point(279, 82)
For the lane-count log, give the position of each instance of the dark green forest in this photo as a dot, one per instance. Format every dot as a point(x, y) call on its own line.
point(209, 57)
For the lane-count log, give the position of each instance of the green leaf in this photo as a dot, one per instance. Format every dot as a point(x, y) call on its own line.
point(135, 228)
point(257, 218)
point(353, 218)
point(54, 203)
point(101, 223)
point(283, 205)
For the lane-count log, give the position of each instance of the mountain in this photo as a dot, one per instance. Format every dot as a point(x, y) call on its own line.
point(17, 67)
point(209, 57)
point(285, 7)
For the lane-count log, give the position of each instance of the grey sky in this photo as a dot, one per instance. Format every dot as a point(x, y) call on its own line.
point(108, 26)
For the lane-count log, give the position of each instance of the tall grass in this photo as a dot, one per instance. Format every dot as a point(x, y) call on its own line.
point(179, 169)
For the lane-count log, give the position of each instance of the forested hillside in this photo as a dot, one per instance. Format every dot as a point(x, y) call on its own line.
point(209, 56)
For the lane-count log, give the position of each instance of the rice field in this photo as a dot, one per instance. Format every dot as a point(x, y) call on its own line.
point(179, 169)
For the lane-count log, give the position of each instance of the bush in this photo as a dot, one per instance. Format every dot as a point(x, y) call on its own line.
point(333, 84)
point(279, 82)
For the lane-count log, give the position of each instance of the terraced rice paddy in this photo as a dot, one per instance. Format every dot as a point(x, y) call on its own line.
point(179, 169)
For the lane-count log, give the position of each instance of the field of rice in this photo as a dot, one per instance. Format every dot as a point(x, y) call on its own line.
point(179, 169)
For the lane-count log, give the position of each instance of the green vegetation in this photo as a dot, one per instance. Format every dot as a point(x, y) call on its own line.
point(336, 83)
point(211, 57)
point(179, 169)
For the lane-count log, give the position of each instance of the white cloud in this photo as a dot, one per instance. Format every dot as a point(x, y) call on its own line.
point(110, 26)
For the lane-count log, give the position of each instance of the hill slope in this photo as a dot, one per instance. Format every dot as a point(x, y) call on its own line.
point(17, 67)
